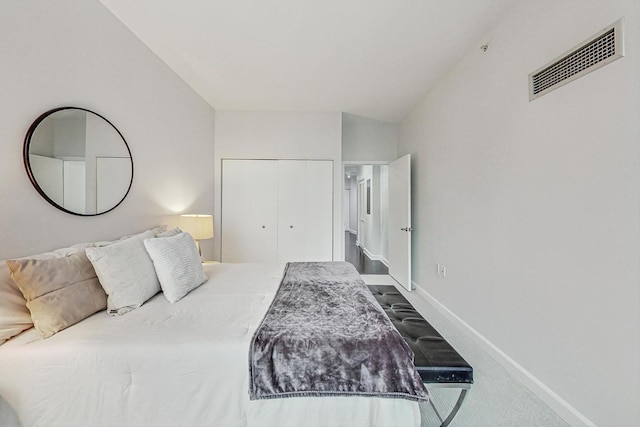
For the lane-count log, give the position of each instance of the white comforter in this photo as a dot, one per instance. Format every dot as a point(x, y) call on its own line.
point(182, 364)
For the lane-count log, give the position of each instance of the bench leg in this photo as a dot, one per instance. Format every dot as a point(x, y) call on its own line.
point(454, 410)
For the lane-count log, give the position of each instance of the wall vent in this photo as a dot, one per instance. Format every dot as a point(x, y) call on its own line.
point(601, 49)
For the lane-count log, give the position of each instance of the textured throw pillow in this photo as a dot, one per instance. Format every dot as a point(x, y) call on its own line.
point(59, 292)
point(126, 273)
point(177, 264)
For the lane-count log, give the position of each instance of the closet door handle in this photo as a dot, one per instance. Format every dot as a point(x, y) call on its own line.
point(264, 226)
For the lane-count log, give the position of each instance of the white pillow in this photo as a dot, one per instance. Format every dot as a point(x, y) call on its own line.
point(126, 273)
point(14, 314)
point(155, 230)
point(177, 264)
point(169, 233)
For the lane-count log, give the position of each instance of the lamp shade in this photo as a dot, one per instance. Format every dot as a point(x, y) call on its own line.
point(199, 226)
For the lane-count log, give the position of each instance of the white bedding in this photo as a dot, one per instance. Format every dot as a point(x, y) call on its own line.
point(182, 364)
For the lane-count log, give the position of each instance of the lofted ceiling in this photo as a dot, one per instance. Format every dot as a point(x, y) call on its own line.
point(373, 58)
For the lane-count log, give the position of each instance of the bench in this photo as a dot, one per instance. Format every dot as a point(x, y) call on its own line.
point(437, 362)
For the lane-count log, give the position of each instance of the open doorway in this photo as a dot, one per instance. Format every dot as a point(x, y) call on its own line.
point(365, 213)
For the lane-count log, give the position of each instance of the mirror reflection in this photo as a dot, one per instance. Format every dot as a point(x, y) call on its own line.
point(78, 161)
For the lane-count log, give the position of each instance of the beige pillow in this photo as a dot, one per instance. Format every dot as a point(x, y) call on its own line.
point(60, 292)
point(14, 314)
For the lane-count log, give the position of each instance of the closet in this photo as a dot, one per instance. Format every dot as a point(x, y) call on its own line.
point(277, 210)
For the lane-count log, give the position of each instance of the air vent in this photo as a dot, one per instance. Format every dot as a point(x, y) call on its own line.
point(601, 49)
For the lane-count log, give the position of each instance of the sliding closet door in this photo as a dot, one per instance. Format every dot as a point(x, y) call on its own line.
point(277, 210)
point(249, 210)
point(292, 227)
point(305, 210)
point(319, 211)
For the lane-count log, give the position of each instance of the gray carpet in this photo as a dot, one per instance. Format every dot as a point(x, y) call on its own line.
point(496, 399)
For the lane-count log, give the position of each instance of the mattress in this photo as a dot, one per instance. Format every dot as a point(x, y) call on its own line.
point(169, 364)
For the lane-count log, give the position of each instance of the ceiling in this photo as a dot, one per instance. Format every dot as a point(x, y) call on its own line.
point(373, 58)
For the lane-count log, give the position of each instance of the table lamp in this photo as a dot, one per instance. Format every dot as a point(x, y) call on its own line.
point(199, 226)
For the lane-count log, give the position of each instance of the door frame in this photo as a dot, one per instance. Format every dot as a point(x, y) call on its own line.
point(361, 163)
point(346, 163)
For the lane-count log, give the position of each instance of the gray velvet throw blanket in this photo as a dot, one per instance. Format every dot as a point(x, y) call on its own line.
point(325, 335)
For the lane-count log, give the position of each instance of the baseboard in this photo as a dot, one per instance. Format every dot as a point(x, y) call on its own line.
point(369, 254)
point(372, 256)
point(567, 412)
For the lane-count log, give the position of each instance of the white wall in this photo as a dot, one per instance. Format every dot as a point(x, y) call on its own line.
point(368, 140)
point(74, 52)
point(534, 207)
point(281, 135)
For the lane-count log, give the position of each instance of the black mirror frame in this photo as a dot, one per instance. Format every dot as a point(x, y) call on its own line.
point(27, 165)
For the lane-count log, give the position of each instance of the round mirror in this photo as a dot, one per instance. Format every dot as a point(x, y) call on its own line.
point(78, 161)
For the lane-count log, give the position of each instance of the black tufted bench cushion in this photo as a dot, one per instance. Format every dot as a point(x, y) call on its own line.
point(437, 362)
point(435, 359)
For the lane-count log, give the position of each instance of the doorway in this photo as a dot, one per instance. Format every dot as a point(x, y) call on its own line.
point(365, 214)
point(382, 225)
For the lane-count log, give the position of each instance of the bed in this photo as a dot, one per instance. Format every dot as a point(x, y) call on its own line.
point(169, 364)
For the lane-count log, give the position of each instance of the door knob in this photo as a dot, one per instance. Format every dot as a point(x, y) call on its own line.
point(407, 229)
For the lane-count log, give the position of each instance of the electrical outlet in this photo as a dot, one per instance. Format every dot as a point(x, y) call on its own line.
point(442, 270)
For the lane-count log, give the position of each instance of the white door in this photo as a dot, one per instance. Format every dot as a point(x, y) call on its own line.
point(291, 210)
point(277, 210)
point(249, 211)
point(319, 211)
point(400, 221)
point(305, 210)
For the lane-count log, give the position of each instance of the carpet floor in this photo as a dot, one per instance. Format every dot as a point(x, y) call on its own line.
point(496, 399)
